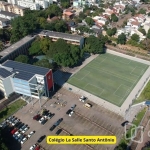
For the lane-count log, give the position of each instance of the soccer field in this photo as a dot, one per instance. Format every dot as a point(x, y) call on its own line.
point(109, 77)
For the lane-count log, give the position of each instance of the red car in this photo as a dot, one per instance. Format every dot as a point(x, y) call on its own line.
point(37, 117)
point(13, 131)
point(37, 148)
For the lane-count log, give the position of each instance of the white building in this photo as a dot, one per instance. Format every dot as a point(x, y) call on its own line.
point(32, 4)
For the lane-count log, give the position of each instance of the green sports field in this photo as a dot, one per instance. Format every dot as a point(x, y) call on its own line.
point(109, 77)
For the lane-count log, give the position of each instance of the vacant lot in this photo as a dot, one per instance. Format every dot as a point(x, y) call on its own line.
point(109, 77)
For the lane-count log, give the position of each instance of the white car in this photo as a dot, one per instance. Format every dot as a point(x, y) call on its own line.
point(71, 113)
point(32, 147)
point(82, 99)
point(24, 140)
point(18, 136)
point(27, 128)
point(30, 134)
point(41, 119)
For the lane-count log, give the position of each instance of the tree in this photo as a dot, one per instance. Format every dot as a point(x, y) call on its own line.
point(148, 14)
point(142, 31)
point(44, 63)
point(148, 34)
point(65, 4)
point(89, 21)
point(135, 37)
point(22, 59)
point(35, 48)
point(114, 18)
point(82, 15)
point(94, 45)
point(45, 44)
point(121, 39)
point(142, 11)
point(60, 26)
point(53, 10)
point(111, 32)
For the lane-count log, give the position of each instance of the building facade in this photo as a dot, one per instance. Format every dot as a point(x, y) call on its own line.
point(32, 4)
point(25, 79)
point(69, 38)
point(4, 6)
point(20, 47)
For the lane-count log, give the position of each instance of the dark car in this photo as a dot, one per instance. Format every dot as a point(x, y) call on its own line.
point(50, 115)
point(58, 122)
point(58, 131)
point(22, 124)
point(124, 123)
point(44, 121)
point(37, 117)
point(68, 112)
point(41, 138)
point(52, 128)
point(21, 137)
point(17, 124)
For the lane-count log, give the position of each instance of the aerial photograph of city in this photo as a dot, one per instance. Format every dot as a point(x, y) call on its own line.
point(74, 74)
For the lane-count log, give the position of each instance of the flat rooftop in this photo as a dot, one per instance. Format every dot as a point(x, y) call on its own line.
point(60, 35)
point(16, 45)
point(6, 13)
point(3, 19)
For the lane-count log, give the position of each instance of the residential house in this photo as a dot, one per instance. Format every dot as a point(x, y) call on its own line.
point(146, 27)
point(32, 4)
point(100, 20)
point(119, 7)
point(4, 22)
point(7, 15)
point(12, 8)
point(67, 15)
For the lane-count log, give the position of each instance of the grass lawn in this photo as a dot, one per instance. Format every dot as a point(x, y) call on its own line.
point(109, 77)
point(11, 109)
point(145, 95)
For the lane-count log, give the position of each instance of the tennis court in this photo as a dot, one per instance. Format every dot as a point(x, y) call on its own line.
point(109, 77)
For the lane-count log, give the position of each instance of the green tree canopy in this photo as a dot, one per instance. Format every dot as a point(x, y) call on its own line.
point(142, 11)
point(94, 45)
point(89, 21)
point(142, 31)
point(22, 59)
point(35, 48)
point(45, 44)
point(135, 37)
point(148, 34)
point(121, 39)
point(111, 32)
point(114, 18)
point(44, 63)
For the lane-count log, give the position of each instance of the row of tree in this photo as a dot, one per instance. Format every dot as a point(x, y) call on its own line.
point(61, 52)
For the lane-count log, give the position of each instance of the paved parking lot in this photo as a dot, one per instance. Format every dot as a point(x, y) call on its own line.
point(94, 121)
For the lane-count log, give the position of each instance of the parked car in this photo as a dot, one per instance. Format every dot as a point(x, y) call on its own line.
point(30, 134)
point(18, 136)
point(23, 127)
point(37, 148)
point(58, 122)
point(24, 140)
point(73, 107)
point(52, 128)
point(50, 115)
point(41, 119)
point(46, 114)
point(3, 125)
point(32, 147)
point(20, 126)
point(37, 117)
point(10, 118)
point(41, 138)
point(13, 131)
point(44, 121)
point(15, 122)
point(58, 131)
point(82, 99)
point(21, 137)
point(70, 114)
point(27, 128)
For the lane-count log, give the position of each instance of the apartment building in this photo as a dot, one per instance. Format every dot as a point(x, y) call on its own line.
point(32, 4)
point(73, 39)
point(4, 6)
point(25, 79)
point(20, 47)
